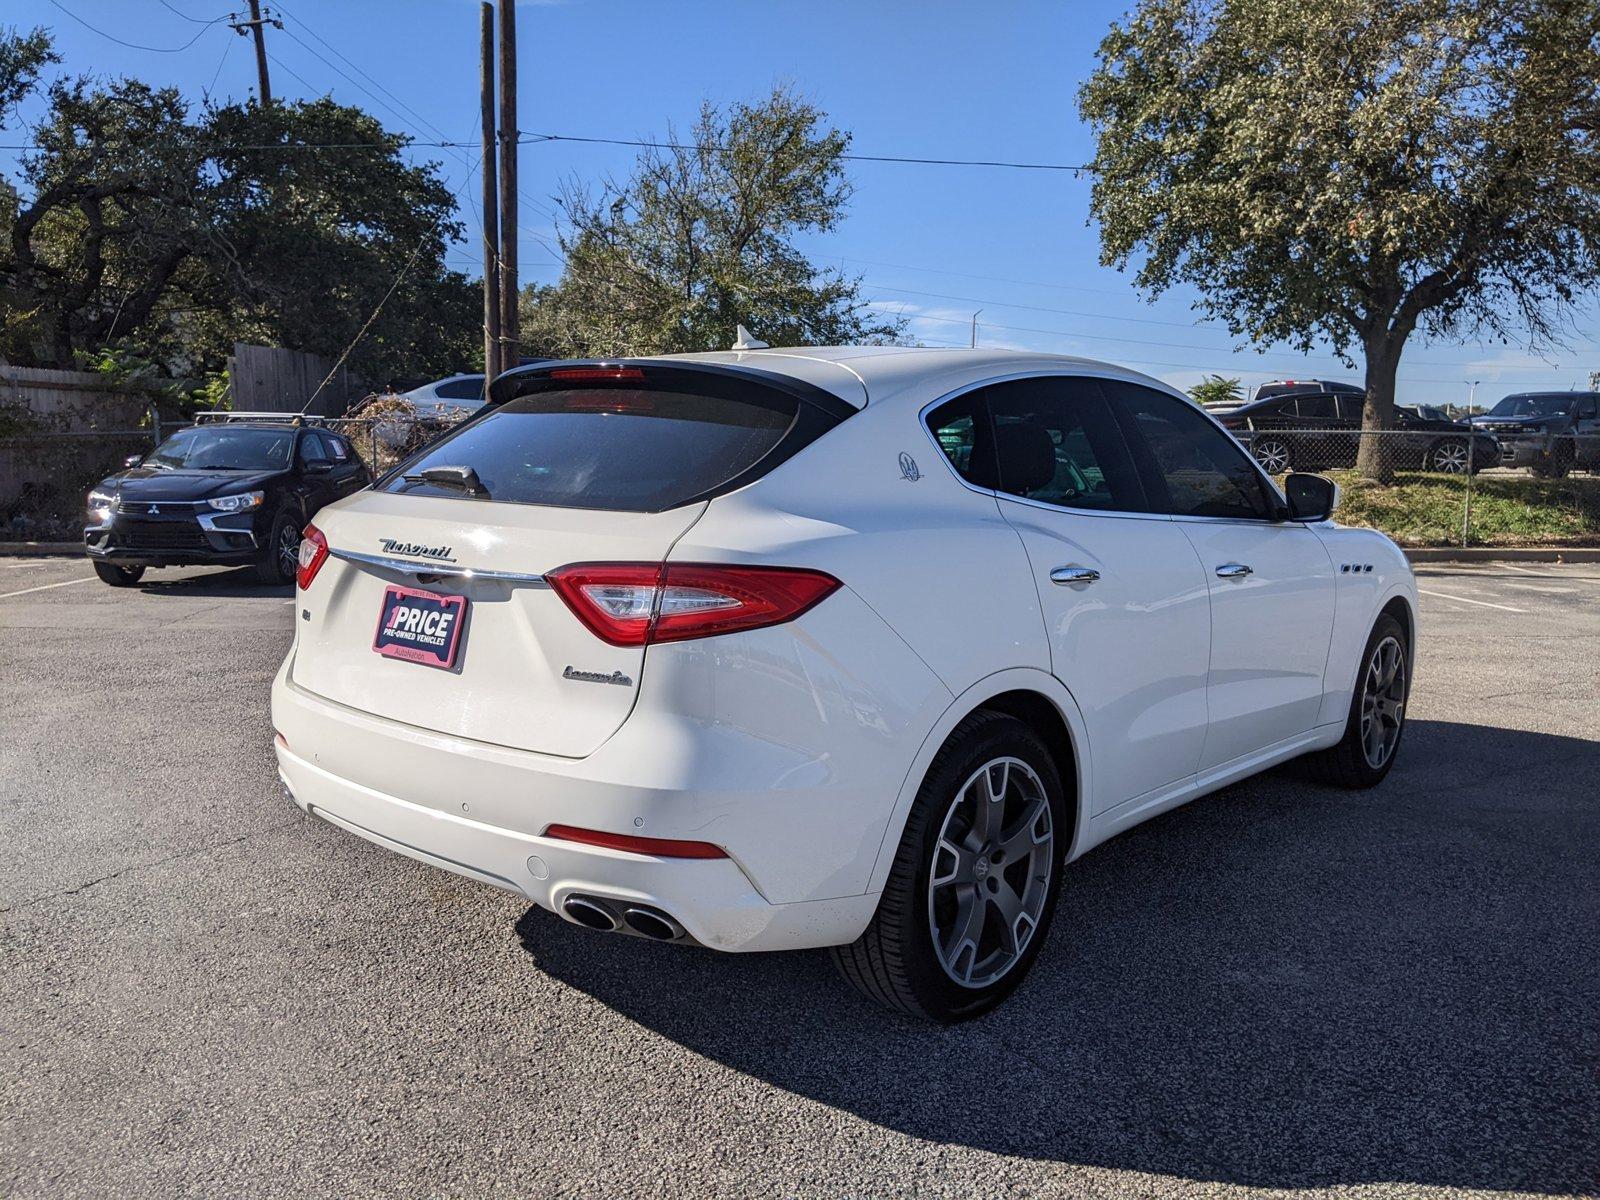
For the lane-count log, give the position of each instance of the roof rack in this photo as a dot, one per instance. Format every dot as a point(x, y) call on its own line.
point(227, 417)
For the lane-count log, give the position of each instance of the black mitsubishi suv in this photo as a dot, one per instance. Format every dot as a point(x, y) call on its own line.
point(230, 492)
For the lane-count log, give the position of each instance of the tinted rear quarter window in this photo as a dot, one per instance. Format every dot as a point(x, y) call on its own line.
point(1191, 467)
point(619, 448)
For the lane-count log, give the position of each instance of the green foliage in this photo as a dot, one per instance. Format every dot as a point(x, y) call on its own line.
point(186, 232)
point(1418, 509)
point(1355, 170)
point(22, 57)
point(700, 239)
point(1214, 389)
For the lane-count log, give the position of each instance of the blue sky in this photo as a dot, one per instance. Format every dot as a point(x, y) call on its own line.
point(932, 79)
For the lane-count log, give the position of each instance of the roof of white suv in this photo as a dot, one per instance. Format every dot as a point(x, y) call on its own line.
point(859, 373)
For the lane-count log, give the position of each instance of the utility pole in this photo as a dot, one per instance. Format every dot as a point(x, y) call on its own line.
point(510, 322)
point(491, 235)
point(257, 25)
point(975, 329)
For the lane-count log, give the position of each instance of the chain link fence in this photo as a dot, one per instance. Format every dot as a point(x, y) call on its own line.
point(1449, 487)
point(46, 475)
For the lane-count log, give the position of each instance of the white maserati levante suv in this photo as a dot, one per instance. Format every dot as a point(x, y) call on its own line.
point(846, 647)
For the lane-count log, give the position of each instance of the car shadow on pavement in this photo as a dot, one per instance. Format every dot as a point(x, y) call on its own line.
point(1279, 985)
point(236, 581)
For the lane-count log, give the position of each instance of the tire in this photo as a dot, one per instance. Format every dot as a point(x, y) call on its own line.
point(118, 576)
point(1559, 464)
point(282, 559)
point(1450, 457)
point(975, 966)
point(1349, 764)
point(1273, 454)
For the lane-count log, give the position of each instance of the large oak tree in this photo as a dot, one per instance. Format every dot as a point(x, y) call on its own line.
point(137, 222)
point(1355, 170)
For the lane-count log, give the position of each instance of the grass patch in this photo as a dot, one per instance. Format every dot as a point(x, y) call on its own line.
point(1419, 509)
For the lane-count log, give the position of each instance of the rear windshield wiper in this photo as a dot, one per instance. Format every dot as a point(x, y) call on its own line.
point(464, 478)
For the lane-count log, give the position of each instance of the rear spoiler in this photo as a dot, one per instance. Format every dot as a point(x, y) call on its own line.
point(594, 371)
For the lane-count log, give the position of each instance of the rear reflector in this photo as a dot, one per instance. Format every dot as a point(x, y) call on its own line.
point(657, 847)
point(641, 604)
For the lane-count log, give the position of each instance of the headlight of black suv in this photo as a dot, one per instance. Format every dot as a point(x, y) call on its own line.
point(239, 502)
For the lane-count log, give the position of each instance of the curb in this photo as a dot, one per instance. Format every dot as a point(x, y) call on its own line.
point(1476, 554)
point(26, 548)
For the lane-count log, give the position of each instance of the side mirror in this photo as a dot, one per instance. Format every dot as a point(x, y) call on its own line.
point(1311, 497)
point(133, 460)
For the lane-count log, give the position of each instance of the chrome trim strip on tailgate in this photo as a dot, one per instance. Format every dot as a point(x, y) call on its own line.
point(410, 567)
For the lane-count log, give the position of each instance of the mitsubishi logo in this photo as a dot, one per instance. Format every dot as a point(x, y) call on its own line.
point(153, 510)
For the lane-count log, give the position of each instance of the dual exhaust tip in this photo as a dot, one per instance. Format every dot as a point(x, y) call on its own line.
point(642, 919)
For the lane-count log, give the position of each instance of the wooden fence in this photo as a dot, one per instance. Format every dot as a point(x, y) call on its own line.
point(271, 379)
point(71, 400)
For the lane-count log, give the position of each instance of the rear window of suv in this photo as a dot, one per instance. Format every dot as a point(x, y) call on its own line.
point(621, 448)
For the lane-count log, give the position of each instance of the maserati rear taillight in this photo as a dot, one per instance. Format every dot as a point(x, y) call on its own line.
point(313, 553)
point(639, 604)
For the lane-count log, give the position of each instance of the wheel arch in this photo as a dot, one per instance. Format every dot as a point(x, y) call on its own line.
point(1036, 698)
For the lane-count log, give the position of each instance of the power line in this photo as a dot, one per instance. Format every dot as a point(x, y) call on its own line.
point(1098, 337)
point(197, 20)
point(416, 252)
point(880, 158)
point(133, 45)
point(226, 47)
point(413, 113)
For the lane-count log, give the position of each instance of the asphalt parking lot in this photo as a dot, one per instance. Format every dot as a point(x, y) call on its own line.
point(1278, 989)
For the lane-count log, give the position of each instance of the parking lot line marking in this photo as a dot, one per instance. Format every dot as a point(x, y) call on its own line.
point(32, 562)
point(1523, 570)
point(1464, 600)
point(45, 587)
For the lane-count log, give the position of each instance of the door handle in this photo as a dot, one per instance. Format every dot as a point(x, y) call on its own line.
point(1067, 576)
point(1233, 571)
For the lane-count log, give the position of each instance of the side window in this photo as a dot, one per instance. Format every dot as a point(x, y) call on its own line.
point(1588, 409)
point(337, 447)
point(1191, 468)
point(1057, 441)
point(1350, 408)
point(312, 449)
point(962, 430)
point(470, 388)
point(1316, 408)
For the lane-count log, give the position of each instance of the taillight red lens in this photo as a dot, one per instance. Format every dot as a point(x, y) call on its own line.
point(638, 604)
point(313, 553)
point(659, 847)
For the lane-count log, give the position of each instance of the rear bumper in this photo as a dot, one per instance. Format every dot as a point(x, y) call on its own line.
point(713, 899)
point(479, 811)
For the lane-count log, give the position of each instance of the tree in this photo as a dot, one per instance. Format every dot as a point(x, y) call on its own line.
point(179, 234)
point(1355, 171)
point(22, 57)
point(700, 239)
point(1214, 389)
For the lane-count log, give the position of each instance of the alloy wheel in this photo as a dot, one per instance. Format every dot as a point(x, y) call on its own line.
point(991, 872)
point(1273, 456)
point(288, 551)
point(1383, 702)
point(1451, 458)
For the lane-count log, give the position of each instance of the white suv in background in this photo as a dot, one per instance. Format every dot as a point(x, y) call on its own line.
point(850, 647)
